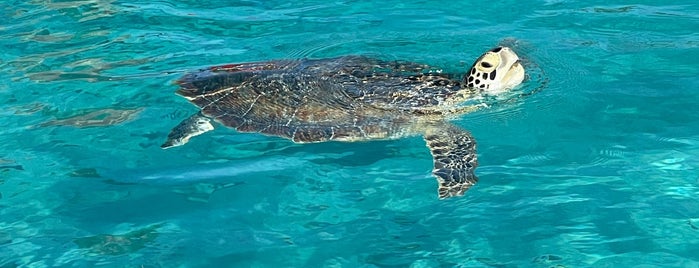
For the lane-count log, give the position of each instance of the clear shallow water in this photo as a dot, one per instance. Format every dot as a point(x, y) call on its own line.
point(597, 169)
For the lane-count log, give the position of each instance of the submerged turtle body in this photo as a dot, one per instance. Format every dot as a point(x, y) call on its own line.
point(350, 99)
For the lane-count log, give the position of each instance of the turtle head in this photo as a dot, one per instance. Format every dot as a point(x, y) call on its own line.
point(495, 71)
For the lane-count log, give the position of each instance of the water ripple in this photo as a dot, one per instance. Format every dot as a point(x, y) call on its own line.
point(593, 163)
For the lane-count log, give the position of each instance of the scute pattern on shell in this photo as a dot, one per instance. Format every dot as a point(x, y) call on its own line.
point(347, 98)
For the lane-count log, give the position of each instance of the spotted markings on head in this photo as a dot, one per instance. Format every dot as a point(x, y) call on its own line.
point(476, 78)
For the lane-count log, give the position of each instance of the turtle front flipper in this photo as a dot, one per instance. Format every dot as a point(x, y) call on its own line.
point(454, 153)
point(188, 128)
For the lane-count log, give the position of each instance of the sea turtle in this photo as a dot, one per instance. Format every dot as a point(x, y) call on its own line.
point(351, 98)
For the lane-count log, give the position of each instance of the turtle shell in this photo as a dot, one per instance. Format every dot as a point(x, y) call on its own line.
point(348, 98)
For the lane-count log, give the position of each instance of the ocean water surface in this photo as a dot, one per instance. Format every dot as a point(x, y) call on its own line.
point(597, 168)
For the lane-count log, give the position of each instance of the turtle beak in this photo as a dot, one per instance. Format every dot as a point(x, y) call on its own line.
point(514, 76)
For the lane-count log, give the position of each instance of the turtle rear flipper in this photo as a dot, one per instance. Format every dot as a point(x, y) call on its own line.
point(454, 153)
point(188, 128)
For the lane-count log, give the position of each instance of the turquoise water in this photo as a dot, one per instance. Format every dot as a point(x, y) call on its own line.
point(597, 169)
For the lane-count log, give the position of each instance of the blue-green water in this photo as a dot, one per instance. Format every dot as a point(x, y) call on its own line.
point(598, 169)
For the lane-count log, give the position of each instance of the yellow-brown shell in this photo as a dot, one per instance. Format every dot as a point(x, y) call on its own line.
point(348, 98)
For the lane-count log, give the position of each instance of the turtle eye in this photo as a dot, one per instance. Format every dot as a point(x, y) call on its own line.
point(486, 64)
